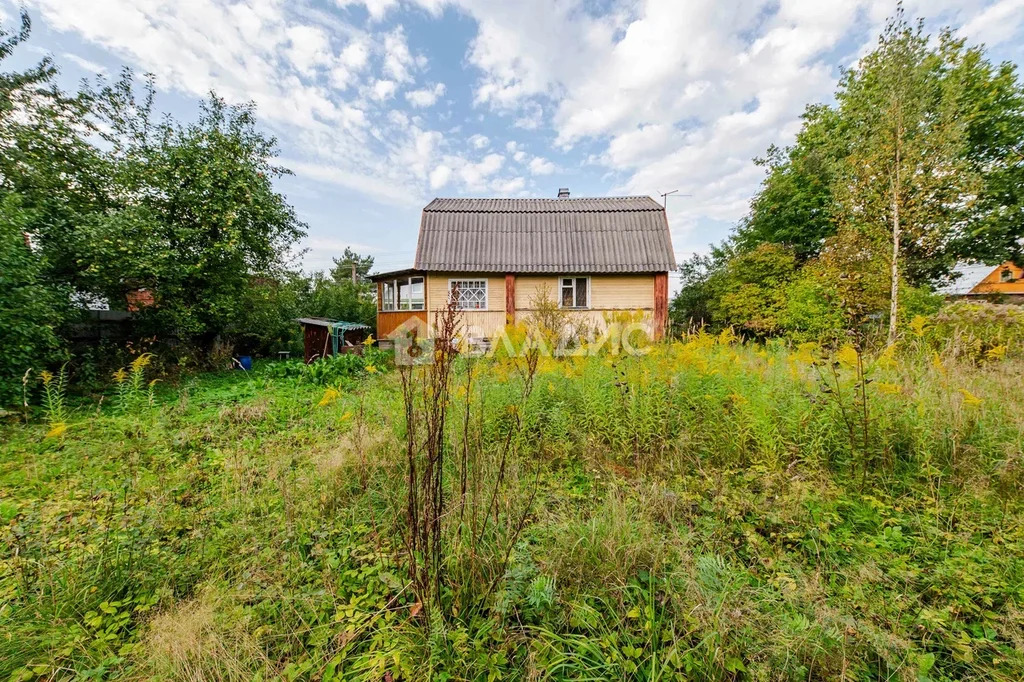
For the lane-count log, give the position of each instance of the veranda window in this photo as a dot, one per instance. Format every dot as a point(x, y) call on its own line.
point(387, 296)
point(410, 293)
point(468, 294)
point(404, 293)
point(575, 292)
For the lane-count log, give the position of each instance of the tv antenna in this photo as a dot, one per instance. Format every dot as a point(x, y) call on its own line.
point(665, 195)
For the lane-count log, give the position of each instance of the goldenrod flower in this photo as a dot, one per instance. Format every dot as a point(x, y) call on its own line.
point(891, 389)
point(46, 376)
point(847, 356)
point(369, 340)
point(919, 325)
point(970, 398)
point(56, 429)
point(330, 395)
point(996, 353)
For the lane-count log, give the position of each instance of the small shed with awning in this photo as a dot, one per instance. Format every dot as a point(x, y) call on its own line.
point(323, 336)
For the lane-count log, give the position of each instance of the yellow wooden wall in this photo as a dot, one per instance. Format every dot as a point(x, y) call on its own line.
point(607, 292)
point(477, 323)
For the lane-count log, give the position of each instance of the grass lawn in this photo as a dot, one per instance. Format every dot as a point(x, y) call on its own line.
point(712, 510)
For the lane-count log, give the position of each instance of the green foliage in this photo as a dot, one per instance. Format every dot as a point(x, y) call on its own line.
point(977, 330)
point(916, 167)
point(694, 509)
point(30, 310)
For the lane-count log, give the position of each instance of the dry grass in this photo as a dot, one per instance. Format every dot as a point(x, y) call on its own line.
point(197, 641)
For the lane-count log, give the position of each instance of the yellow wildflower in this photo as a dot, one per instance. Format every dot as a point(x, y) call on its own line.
point(888, 357)
point(891, 389)
point(551, 388)
point(996, 353)
point(737, 398)
point(847, 356)
point(970, 398)
point(919, 325)
point(141, 362)
point(346, 416)
point(56, 429)
point(46, 376)
point(369, 340)
point(372, 369)
point(120, 376)
point(937, 362)
point(805, 352)
point(330, 395)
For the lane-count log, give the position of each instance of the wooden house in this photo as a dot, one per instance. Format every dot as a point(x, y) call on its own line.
point(1003, 283)
point(593, 256)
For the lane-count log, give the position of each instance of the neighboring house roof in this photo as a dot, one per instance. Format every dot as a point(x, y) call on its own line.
point(969, 277)
point(607, 234)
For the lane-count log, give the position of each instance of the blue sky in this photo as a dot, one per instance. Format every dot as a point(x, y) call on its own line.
point(380, 105)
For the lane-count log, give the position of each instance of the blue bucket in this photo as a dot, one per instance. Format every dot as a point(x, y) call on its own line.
point(245, 362)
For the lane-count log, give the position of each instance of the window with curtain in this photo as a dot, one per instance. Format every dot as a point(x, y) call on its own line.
point(575, 292)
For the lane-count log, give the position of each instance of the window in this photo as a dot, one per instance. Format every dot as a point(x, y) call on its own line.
point(575, 292)
point(410, 293)
point(1006, 275)
point(468, 294)
point(404, 293)
point(387, 296)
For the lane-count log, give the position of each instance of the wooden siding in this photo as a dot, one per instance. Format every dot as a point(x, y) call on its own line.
point(388, 322)
point(437, 289)
point(509, 299)
point(993, 284)
point(607, 292)
point(660, 304)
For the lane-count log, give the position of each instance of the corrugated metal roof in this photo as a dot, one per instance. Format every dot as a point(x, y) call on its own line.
point(967, 277)
point(601, 234)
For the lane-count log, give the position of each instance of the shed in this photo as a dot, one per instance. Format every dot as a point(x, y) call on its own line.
point(323, 336)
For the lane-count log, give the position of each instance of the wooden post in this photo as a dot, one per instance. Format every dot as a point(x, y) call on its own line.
point(660, 304)
point(510, 298)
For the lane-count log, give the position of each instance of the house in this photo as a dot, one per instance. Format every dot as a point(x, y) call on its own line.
point(498, 257)
point(999, 283)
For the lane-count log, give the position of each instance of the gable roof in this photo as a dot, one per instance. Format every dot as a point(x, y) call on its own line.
point(967, 276)
point(604, 234)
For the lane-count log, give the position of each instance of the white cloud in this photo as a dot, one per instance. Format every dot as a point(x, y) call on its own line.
point(998, 23)
point(84, 64)
point(308, 48)
point(440, 176)
point(426, 97)
point(383, 89)
point(652, 95)
point(541, 166)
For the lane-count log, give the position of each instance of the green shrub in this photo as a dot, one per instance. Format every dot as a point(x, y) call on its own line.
point(977, 330)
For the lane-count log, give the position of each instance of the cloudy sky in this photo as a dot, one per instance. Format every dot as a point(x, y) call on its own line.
point(380, 105)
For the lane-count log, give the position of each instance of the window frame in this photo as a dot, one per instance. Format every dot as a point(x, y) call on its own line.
point(1006, 275)
point(574, 278)
point(487, 292)
point(393, 303)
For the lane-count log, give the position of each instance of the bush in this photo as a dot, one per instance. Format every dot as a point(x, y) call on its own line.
point(977, 330)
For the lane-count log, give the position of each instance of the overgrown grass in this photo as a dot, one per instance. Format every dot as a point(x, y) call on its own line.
point(710, 511)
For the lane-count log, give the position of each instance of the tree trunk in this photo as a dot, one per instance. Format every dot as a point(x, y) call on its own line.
point(895, 269)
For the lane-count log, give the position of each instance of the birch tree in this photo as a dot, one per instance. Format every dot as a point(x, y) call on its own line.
point(905, 182)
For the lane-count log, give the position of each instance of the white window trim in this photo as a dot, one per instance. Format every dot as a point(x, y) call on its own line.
point(384, 299)
point(487, 293)
point(574, 278)
point(395, 298)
